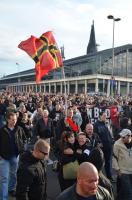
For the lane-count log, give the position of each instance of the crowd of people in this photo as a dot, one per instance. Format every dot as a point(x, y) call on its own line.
point(100, 149)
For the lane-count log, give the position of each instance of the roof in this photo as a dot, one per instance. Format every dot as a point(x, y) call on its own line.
point(105, 56)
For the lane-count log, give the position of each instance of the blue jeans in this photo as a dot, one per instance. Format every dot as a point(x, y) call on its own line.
point(8, 169)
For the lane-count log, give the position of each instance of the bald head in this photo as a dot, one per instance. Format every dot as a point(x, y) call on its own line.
point(87, 180)
point(89, 129)
point(89, 126)
point(86, 169)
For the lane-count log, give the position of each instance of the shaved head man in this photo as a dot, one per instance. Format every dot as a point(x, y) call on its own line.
point(86, 186)
point(87, 180)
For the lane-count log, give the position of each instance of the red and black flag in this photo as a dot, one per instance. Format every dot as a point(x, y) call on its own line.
point(44, 52)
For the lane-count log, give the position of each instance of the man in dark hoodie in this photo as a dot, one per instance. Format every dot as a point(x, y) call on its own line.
point(101, 129)
point(31, 174)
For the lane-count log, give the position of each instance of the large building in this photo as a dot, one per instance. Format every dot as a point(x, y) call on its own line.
point(88, 73)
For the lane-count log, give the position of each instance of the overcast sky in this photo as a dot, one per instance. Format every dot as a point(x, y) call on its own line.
point(70, 21)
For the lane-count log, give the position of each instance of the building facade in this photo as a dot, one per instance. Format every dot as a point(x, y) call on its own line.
point(83, 74)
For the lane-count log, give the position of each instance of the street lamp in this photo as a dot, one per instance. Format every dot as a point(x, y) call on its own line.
point(113, 59)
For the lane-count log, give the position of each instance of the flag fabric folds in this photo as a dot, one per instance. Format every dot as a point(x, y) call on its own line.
point(44, 52)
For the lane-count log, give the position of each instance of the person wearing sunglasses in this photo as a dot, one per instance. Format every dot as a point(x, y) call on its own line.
point(31, 174)
point(122, 163)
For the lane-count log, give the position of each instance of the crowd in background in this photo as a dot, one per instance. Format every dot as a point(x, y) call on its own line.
point(106, 144)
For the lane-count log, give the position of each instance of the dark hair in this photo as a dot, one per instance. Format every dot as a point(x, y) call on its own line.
point(130, 103)
point(64, 137)
point(124, 122)
point(96, 157)
point(66, 134)
point(101, 113)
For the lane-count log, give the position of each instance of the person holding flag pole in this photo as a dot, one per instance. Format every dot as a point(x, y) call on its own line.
point(68, 120)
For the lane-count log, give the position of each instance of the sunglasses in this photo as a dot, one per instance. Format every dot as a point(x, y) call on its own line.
point(126, 136)
point(45, 154)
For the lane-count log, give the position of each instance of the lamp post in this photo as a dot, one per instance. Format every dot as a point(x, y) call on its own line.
point(113, 53)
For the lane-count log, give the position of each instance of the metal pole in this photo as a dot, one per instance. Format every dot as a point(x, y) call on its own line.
point(64, 77)
point(126, 63)
point(18, 77)
point(113, 59)
point(113, 53)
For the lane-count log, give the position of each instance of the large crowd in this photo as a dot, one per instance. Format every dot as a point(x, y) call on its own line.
point(34, 124)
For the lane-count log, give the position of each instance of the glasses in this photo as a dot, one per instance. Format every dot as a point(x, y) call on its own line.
point(45, 154)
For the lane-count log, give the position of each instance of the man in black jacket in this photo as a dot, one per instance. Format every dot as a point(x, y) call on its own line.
point(11, 144)
point(86, 186)
point(103, 132)
point(31, 174)
point(44, 127)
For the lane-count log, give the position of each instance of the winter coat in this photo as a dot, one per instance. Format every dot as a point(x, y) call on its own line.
point(31, 178)
point(122, 157)
point(5, 147)
point(102, 130)
point(43, 130)
point(82, 152)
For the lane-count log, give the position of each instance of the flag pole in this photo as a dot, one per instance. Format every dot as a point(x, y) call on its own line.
point(64, 77)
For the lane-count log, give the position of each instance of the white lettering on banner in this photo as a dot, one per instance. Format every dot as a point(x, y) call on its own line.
point(96, 112)
point(89, 113)
point(93, 121)
point(93, 114)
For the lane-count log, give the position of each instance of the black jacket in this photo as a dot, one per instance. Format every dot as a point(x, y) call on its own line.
point(31, 178)
point(5, 147)
point(67, 158)
point(93, 141)
point(43, 130)
point(80, 152)
point(102, 130)
point(70, 194)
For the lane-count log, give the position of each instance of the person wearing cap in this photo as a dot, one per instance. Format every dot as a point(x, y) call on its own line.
point(122, 163)
point(31, 174)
